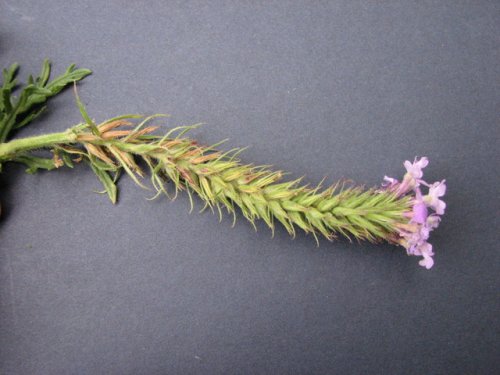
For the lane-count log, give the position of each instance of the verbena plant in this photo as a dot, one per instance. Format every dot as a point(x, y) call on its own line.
point(396, 212)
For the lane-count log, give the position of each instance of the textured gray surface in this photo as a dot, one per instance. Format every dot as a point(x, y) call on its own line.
point(346, 88)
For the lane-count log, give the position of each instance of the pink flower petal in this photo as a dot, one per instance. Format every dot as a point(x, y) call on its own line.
point(427, 262)
point(439, 207)
point(438, 189)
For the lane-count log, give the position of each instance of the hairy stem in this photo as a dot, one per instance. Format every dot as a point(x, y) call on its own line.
point(9, 151)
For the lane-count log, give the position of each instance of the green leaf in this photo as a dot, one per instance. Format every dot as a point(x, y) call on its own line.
point(8, 85)
point(18, 112)
point(67, 78)
point(30, 118)
point(5, 104)
point(107, 181)
point(9, 75)
point(44, 74)
point(35, 163)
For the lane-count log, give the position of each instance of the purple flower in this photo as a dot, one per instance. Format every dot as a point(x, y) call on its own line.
point(426, 251)
point(436, 190)
point(415, 169)
point(414, 234)
point(419, 209)
point(413, 175)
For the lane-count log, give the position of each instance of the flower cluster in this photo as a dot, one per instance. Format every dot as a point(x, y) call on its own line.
point(414, 234)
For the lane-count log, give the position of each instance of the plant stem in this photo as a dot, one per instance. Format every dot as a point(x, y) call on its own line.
point(10, 150)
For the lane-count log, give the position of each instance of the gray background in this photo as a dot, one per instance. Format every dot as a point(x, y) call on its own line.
point(343, 88)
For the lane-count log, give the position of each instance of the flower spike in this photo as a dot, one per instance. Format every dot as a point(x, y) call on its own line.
point(400, 213)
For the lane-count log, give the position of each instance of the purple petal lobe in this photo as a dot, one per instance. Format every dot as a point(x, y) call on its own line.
point(419, 213)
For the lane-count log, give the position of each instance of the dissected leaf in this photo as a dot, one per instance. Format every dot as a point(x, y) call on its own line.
point(16, 112)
